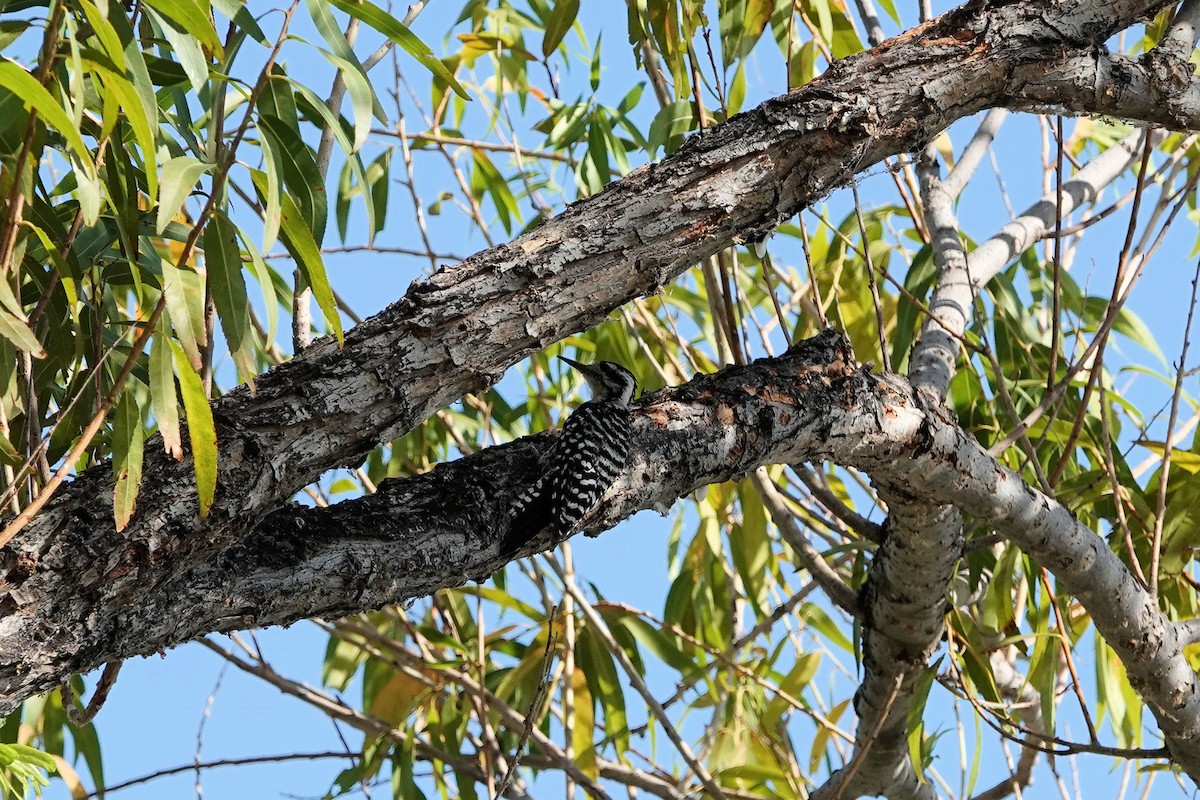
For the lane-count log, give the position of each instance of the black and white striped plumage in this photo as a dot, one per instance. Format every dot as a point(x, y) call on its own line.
point(586, 458)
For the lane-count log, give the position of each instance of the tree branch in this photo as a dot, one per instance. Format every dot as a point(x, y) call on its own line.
point(440, 529)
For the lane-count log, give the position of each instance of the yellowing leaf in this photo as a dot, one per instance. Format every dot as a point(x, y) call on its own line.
point(19, 333)
point(163, 399)
point(128, 439)
point(185, 306)
point(583, 726)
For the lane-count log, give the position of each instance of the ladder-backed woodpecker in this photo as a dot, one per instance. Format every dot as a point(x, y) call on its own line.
point(582, 463)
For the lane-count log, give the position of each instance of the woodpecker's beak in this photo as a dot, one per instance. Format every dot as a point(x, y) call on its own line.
point(586, 369)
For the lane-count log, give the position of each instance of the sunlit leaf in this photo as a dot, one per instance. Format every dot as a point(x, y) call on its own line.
point(193, 17)
point(399, 33)
point(179, 176)
point(163, 397)
point(35, 97)
point(202, 434)
point(558, 23)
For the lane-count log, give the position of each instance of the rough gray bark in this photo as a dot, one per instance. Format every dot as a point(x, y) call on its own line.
point(439, 529)
point(417, 534)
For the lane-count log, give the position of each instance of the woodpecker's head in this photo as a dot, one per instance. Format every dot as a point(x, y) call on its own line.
point(610, 382)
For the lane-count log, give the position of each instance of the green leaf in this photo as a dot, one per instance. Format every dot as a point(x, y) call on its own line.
point(486, 178)
point(31, 755)
point(583, 725)
point(343, 54)
point(404, 783)
point(34, 96)
point(278, 100)
point(17, 331)
point(228, 290)
point(236, 10)
point(825, 626)
point(9, 454)
point(315, 107)
point(87, 744)
point(916, 711)
point(299, 171)
point(342, 660)
point(362, 97)
point(669, 125)
point(11, 30)
point(202, 433)
point(300, 243)
point(594, 73)
point(399, 33)
point(504, 600)
point(128, 439)
point(194, 18)
point(264, 275)
point(661, 644)
point(593, 658)
point(558, 23)
point(179, 176)
point(270, 192)
point(793, 684)
point(379, 176)
point(163, 399)
point(188, 52)
point(1131, 326)
point(105, 34)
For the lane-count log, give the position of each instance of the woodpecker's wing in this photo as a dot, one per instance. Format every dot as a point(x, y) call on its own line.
point(587, 457)
point(590, 455)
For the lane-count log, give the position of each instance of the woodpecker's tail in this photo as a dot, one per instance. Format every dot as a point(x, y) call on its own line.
point(529, 516)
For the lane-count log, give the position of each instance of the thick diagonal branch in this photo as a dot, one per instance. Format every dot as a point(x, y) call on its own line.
point(442, 528)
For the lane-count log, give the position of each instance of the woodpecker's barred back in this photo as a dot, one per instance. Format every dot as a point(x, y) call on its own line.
point(584, 461)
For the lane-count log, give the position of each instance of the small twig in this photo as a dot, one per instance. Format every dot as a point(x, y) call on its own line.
point(767, 266)
point(1110, 467)
point(635, 679)
point(838, 591)
point(857, 522)
point(224, 762)
point(1161, 509)
point(79, 716)
point(812, 275)
point(871, 280)
point(535, 705)
point(1064, 643)
point(204, 717)
point(1056, 294)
